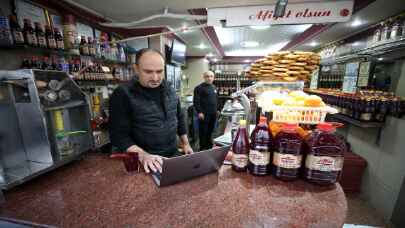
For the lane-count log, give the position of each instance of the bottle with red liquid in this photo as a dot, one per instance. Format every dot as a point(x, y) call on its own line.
point(240, 148)
point(260, 148)
point(325, 151)
point(287, 156)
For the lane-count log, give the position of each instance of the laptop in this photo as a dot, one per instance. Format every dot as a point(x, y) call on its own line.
point(185, 167)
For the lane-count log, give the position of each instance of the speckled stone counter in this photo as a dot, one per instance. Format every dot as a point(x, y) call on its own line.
point(97, 192)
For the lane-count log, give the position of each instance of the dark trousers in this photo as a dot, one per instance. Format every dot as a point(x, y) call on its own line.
point(206, 127)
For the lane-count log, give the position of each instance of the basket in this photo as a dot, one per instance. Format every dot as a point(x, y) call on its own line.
point(303, 115)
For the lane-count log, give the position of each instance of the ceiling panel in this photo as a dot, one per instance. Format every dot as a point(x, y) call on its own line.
point(231, 38)
point(269, 40)
point(130, 10)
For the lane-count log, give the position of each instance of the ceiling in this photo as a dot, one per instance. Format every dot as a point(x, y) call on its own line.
point(370, 15)
point(268, 40)
point(230, 39)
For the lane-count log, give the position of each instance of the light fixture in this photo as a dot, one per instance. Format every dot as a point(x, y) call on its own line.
point(210, 55)
point(247, 61)
point(380, 59)
point(279, 10)
point(185, 28)
point(249, 44)
point(259, 27)
point(214, 60)
point(355, 44)
point(313, 44)
point(257, 51)
point(202, 46)
point(356, 22)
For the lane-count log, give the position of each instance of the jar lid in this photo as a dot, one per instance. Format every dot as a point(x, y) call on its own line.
point(242, 122)
point(289, 126)
point(327, 127)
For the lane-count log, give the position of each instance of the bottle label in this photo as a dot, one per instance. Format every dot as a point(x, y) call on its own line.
point(18, 37)
point(324, 163)
point(32, 39)
point(259, 157)
point(52, 43)
point(240, 160)
point(85, 50)
point(287, 161)
point(41, 41)
point(60, 44)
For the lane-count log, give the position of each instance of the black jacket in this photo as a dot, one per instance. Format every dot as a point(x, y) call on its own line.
point(137, 117)
point(205, 98)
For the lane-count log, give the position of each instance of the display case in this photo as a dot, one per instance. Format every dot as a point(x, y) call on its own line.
point(46, 123)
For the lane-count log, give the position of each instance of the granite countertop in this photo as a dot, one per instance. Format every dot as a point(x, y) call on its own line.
point(97, 192)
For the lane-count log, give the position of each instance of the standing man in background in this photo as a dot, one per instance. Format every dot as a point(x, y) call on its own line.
point(206, 105)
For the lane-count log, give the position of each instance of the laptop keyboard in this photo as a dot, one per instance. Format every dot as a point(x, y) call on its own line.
point(158, 175)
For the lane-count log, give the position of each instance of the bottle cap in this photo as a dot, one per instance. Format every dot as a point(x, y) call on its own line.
point(290, 126)
point(263, 119)
point(242, 122)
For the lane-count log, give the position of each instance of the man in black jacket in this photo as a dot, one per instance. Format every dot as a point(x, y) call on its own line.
point(205, 103)
point(145, 115)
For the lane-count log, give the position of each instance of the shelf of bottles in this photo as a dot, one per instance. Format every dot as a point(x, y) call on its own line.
point(48, 49)
point(331, 76)
point(227, 82)
point(388, 35)
point(365, 105)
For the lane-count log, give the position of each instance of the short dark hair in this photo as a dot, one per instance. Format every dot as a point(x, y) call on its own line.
point(143, 51)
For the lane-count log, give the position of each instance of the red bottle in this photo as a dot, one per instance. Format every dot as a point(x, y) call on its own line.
point(240, 148)
point(325, 151)
point(260, 148)
point(287, 156)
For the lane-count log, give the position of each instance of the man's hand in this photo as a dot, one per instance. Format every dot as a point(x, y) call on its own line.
point(201, 116)
point(149, 161)
point(187, 149)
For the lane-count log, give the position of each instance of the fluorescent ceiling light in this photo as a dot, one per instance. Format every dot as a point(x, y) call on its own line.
point(356, 44)
point(215, 60)
point(210, 55)
point(247, 61)
point(202, 46)
point(260, 27)
point(248, 44)
point(380, 59)
point(257, 52)
point(313, 44)
point(356, 23)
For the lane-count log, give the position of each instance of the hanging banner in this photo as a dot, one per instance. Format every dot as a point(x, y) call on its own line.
point(301, 13)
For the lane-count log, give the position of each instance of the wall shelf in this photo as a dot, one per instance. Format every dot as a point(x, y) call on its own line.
point(346, 119)
point(373, 51)
point(66, 53)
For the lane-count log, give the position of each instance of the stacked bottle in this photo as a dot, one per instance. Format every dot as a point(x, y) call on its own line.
point(317, 157)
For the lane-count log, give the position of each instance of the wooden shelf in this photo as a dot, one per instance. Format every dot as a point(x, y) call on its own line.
point(358, 123)
point(65, 53)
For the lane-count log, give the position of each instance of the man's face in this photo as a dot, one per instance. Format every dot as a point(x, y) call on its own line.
point(209, 78)
point(150, 70)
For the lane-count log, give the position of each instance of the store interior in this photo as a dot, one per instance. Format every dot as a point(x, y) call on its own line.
point(90, 47)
